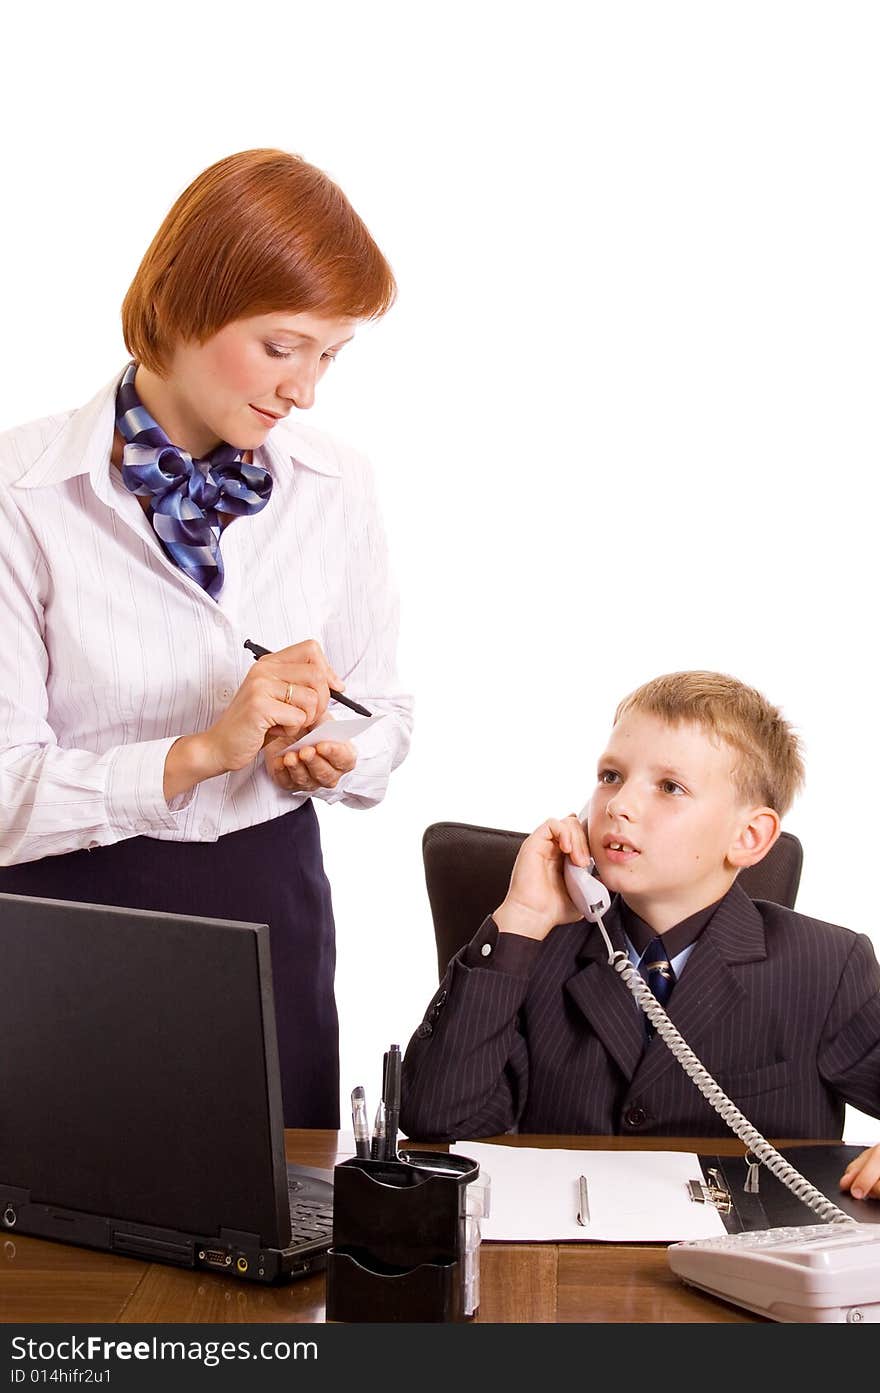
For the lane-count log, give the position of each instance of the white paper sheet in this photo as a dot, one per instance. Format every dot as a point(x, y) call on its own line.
point(335, 730)
point(634, 1196)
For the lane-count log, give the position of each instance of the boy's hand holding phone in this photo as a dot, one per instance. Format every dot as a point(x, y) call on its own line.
point(537, 900)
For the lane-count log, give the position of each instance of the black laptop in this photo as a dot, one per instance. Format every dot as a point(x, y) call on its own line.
point(140, 1097)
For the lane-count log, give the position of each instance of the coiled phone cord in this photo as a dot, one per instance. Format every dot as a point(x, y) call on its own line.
point(710, 1090)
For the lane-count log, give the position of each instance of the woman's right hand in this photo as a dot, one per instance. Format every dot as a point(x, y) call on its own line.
point(256, 712)
point(537, 899)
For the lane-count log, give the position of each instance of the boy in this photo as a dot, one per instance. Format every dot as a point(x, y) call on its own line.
point(532, 1029)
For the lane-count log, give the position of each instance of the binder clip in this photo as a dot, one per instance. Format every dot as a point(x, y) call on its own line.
point(715, 1192)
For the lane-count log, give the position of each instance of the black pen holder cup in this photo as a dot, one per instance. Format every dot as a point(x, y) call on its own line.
point(404, 1248)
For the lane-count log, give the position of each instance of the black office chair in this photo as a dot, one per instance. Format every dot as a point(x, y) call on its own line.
point(467, 871)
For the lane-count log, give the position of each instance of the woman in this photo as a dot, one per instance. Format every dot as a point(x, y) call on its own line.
point(146, 537)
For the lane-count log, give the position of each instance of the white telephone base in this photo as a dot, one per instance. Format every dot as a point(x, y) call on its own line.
point(814, 1272)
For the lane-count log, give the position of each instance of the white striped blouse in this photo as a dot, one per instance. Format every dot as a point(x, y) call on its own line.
point(110, 653)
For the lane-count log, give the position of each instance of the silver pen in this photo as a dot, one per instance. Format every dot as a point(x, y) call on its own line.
point(377, 1145)
point(583, 1214)
point(360, 1125)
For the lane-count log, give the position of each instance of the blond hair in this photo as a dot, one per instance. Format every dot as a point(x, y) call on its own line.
point(769, 766)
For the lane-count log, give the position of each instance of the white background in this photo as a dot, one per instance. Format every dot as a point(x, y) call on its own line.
point(623, 415)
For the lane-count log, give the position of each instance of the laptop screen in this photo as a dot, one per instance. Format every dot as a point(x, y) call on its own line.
point(139, 1067)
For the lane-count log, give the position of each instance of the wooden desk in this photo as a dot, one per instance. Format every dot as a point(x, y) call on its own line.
point(519, 1282)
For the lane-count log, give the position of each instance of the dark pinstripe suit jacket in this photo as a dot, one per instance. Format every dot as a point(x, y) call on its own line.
point(784, 1012)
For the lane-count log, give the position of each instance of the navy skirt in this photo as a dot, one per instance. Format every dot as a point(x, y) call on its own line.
point(269, 874)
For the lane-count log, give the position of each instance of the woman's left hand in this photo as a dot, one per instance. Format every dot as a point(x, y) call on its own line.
point(312, 767)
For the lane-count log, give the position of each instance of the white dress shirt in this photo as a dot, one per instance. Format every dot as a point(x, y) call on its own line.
point(110, 652)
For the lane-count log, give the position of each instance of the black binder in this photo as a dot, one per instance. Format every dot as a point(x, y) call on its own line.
point(724, 1179)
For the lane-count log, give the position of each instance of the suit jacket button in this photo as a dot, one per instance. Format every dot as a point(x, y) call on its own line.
point(635, 1118)
point(424, 1030)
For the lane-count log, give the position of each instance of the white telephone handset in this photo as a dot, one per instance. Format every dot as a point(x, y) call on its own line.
point(584, 890)
point(818, 1272)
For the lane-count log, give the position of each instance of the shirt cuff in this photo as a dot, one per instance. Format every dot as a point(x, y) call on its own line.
point(135, 796)
point(511, 953)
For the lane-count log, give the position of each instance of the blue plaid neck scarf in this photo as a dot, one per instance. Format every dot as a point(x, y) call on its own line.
point(186, 495)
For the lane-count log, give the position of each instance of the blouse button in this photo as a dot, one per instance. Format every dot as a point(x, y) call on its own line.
point(424, 1030)
point(486, 949)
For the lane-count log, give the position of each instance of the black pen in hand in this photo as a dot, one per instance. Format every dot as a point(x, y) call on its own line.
point(260, 652)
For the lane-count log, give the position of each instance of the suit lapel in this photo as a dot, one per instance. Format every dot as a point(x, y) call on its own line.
point(710, 987)
point(708, 991)
point(604, 999)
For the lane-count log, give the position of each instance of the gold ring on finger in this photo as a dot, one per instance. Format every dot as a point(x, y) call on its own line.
point(288, 695)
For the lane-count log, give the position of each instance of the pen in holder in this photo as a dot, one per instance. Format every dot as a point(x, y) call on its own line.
point(405, 1247)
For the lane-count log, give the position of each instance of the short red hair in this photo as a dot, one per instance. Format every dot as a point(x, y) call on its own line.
point(255, 233)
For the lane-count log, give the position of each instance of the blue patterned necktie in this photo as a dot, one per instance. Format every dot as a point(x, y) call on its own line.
point(186, 495)
point(657, 971)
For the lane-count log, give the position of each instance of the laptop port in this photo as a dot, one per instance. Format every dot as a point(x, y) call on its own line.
point(215, 1257)
point(9, 1216)
point(242, 1264)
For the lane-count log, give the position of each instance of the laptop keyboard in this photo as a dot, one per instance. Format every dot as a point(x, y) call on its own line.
point(311, 1211)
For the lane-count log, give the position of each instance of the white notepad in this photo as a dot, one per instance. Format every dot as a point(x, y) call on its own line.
point(335, 730)
point(634, 1196)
